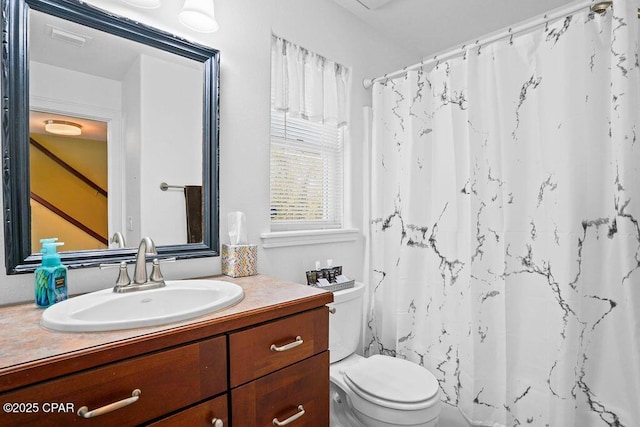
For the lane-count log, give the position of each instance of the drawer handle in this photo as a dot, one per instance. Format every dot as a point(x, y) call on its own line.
point(217, 422)
point(289, 346)
point(332, 310)
point(84, 412)
point(291, 419)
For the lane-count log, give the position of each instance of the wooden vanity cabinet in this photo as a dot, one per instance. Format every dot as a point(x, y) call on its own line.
point(279, 371)
point(299, 393)
point(167, 380)
point(204, 415)
point(273, 369)
point(260, 350)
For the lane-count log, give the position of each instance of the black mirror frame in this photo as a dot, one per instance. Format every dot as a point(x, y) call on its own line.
point(15, 130)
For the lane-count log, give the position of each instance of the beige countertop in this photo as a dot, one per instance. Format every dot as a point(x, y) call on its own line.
point(29, 352)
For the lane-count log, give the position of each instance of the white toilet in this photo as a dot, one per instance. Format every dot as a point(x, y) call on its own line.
point(378, 391)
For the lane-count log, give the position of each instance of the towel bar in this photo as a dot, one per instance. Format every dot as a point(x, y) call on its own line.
point(164, 186)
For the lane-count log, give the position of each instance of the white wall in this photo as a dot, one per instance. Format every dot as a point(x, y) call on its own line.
point(61, 84)
point(244, 43)
point(131, 106)
point(167, 152)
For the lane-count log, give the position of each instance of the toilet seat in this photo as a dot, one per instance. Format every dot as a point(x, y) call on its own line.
point(392, 383)
point(393, 391)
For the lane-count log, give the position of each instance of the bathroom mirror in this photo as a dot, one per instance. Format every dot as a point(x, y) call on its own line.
point(161, 119)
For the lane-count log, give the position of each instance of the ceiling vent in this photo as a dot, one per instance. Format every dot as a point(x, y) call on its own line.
point(67, 36)
point(367, 4)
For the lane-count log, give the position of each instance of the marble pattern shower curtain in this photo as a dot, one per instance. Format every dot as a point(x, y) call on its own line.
point(504, 235)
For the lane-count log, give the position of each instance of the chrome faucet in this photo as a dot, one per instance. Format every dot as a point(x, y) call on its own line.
point(147, 247)
point(140, 280)
point(118, 239)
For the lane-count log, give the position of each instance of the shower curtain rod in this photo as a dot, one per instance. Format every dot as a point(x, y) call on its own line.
point(596, 6)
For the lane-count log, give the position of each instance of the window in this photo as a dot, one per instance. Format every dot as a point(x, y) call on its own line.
point(306, 173)
point(307, 137)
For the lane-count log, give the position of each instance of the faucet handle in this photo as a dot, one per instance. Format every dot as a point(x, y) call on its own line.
point(156, 274)
point(123, 276)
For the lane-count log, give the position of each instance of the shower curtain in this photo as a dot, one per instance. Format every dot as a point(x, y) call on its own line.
point(504, 232)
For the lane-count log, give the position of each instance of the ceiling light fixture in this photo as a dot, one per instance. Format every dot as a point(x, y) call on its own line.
point(145, 4)
point(61, 127)
point(198, 15)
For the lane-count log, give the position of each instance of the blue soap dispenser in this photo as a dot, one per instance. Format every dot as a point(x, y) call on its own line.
point(51, 276)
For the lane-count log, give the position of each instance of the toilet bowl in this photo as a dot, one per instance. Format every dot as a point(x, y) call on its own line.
point(378, 391)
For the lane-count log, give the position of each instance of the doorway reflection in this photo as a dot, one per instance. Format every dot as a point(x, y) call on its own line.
point(69, 176)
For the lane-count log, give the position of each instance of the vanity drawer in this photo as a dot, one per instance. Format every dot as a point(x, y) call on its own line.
point(202, 415)
point(286, 394)
point(168, 380)
point(266, 348)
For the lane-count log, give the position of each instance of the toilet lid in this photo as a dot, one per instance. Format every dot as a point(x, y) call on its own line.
point(392, 379)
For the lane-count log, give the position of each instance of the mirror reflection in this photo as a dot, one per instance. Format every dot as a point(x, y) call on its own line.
point(138, 115)
point(68, 175)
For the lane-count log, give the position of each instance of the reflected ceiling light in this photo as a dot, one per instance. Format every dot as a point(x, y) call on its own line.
point(61, 127)
point(145, 4)
point(198, 15)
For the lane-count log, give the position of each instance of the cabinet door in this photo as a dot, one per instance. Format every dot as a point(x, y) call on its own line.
point(167, 381)
point(299, 392)
point(266, 348)
point(204, 415)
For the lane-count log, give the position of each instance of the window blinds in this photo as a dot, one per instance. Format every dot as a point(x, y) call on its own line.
point(306, 174)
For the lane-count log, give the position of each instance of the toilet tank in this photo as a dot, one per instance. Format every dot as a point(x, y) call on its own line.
point(345, 325)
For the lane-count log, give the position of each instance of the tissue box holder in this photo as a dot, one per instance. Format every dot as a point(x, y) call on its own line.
point(239, 260)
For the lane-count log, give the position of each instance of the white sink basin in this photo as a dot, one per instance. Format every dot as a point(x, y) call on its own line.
point(107, 311)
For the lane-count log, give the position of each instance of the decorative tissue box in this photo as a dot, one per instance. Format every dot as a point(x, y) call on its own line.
point(239, 260)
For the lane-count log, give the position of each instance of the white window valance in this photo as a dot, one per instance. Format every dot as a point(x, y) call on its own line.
point(307, 85)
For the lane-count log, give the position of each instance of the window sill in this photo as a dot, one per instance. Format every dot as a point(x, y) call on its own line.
point(280, 239)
